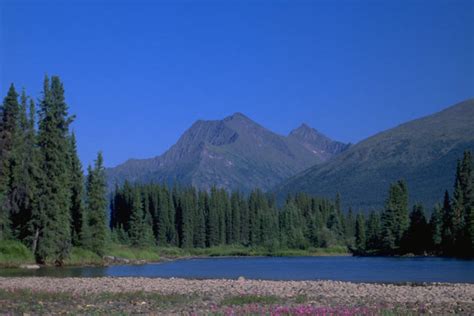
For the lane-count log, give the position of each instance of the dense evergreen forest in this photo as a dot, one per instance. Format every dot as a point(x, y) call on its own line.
point(184, 217)
point(48, 204)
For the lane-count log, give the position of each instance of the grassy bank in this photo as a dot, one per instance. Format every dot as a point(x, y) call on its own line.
point(14, 253)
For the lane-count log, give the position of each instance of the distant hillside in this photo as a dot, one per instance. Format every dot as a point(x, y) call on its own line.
point(423, 152)
point(233, 153)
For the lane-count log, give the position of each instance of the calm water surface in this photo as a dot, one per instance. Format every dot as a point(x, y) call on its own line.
point(356, 269)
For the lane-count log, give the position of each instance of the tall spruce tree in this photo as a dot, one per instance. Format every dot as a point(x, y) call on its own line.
point(212, 223)
point(458, 209)
point(94, 228)
point(462, 207)
point(373, 232)
point(436, 229)
point(350, 228)
point(8, 130)
point(236, 206)
point(360, 236)
point(51, 219)
point(200, 220)
point(77, 192)
point(468, 198)
point(417, 237)
point(447, 230)
point(395, 219)
point(23, 172)
point(140, 231)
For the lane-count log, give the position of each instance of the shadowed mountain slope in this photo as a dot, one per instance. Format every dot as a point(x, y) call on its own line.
point(423, 152)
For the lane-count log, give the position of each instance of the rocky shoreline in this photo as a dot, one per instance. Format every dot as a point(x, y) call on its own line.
point(437, 298)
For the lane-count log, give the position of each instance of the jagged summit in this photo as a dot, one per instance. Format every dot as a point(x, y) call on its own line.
point(233, 153)
point(317, 142)
point(237, 116)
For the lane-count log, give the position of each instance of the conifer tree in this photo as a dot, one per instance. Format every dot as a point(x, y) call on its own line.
point(94, 230)
point(244, 223)
point(447, 230)
point(373, 232)
point(212, 230)
point(140, 231)
point(467, 180)
point(8, 130)
point(350, 228)
point(395, 219)
point(51, 220)
point(23, 172)
point(417, 237)
point(200, 221)
point(77, 192)
point(236, 218)
point(360, 236)
point(163, 218)
point(292, 227)
point(458, 209)
point(436, 229)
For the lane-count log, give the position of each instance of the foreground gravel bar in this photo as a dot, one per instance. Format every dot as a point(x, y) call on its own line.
point(439, 297)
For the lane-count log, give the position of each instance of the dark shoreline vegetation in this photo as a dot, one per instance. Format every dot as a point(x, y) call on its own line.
point(51, 213)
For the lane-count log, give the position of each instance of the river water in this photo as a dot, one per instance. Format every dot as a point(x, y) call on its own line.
point(355, 269)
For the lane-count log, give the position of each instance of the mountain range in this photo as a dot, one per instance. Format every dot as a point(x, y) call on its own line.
point(423, 152)
point(237, 153)
point(234, 153)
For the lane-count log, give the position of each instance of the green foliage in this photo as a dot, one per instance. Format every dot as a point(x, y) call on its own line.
point(14, 253)
point(133, 253)
point(78, 214)
point(24, 172)
point(448, 232)
point(51, 219)
point(81, 256)
point(9, 128)
point(436, 228)
point(394, 220)
point(373, 231)
point(216, 218)
point(95, 228)
point(360, 236)
point(417, 238)
point(141, 233)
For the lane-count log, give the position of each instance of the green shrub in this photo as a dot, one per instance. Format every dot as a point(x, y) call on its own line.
point(133, 253)
point(14, 253)
point(81, 256)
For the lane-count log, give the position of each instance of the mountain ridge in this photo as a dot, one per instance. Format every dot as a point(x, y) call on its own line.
point(234, 153)
point(423, 151)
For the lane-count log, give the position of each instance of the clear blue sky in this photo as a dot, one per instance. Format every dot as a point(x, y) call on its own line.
point(138, 73)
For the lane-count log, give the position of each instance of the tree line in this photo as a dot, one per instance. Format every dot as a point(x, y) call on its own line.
point(154, 214)
point(449, 231)
point(45, 200)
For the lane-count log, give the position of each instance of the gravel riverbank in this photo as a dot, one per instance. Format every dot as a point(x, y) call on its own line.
point(438, 298)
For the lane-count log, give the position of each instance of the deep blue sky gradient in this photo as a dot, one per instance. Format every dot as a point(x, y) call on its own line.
point(138, 73)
